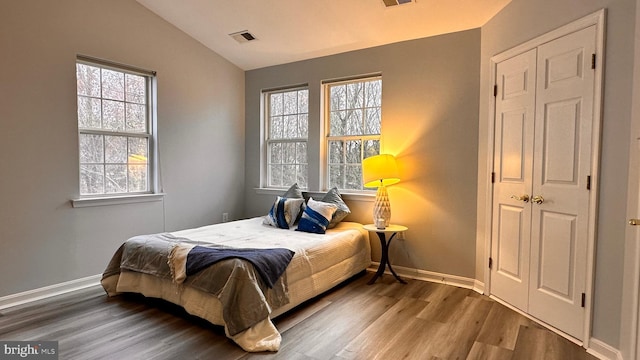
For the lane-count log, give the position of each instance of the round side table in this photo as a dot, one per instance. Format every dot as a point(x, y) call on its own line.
point(384, 246)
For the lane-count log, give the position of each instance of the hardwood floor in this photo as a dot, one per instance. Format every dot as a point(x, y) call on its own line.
point(387, 320)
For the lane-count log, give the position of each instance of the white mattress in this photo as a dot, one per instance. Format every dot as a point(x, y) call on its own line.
point(320, 262)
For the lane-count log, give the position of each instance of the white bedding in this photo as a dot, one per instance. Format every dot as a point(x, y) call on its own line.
point(320, 262)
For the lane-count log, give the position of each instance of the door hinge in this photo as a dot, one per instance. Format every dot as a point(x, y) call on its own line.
point(490, 263)
point(584, 299)
point(495, 90)
point(493, 177)
point(593, 61)
point(588, 182)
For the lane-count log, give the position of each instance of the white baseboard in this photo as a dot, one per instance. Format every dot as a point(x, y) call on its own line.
point(603, 350)
point(478, 286)
point(48, 291)
point(432, 276)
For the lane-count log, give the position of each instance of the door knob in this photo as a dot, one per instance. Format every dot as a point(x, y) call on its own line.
point(524, 197)
point(537, 199)
point(634, 222)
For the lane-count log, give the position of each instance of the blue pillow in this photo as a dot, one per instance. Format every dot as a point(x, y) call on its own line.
point(284, 212)
point(316, 217)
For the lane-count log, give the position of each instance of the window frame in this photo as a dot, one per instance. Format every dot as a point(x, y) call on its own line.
point(326, 128)
point(152, 183)
point(267, 140)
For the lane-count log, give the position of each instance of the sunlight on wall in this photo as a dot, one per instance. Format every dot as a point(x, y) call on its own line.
point(430, 198)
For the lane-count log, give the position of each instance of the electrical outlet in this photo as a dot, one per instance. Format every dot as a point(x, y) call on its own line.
point(225, 217)
point(400, 235)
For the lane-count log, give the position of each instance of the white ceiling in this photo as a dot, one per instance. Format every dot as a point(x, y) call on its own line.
point(292, 30)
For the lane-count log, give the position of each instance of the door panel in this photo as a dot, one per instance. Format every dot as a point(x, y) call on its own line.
point(562, 140)
point(565, 66)
point(513, 156)
point(511, 241)
point(512, 147)
point(557, 243)
point(515, 82)
point(562, 163)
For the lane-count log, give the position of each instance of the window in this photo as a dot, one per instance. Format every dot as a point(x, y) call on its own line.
point(114, 129)
point(287, 127)
point(353, 119)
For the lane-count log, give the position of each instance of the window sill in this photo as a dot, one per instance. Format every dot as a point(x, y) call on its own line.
point(115, 200)
point(367, 196)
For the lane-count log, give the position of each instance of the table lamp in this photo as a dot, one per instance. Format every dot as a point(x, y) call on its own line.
point(378, 172)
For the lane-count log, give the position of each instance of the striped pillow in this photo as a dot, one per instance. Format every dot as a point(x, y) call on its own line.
point(316, 217)
point(284, 212)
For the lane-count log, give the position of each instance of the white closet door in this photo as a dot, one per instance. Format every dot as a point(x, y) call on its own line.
point(513, 163)
point(561, 166)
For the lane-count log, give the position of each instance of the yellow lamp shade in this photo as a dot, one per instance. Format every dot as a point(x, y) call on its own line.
point(380, 170)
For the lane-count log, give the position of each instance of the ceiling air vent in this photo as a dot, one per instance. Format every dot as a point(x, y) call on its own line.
point(242, 36)
point(388, 3)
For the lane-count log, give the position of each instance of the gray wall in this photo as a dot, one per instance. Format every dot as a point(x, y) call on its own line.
point(430, 122)
point(631, 283)
point(522, 20)
point(201, 128)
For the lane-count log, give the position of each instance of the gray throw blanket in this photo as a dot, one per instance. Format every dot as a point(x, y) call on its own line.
point(269, 263)
point(246, 299)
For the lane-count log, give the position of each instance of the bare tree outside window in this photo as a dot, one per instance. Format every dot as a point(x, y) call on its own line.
point(354, 121)
point(114, 130)
point(287, 123)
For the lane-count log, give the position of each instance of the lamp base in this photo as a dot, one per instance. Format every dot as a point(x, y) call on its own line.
point(382, 208)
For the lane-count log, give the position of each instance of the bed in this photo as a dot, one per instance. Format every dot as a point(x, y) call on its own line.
point(241, 299)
